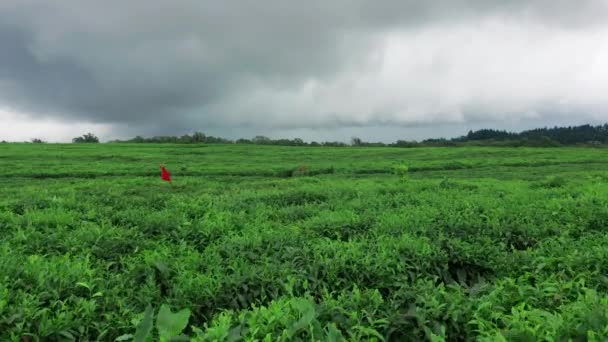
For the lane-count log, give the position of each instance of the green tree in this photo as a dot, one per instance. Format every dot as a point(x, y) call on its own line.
point(89, 138)
point(198, 137)
point(260, 139)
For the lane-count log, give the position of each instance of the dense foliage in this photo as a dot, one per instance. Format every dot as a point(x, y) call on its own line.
point(562, 135)
point(288, 243)
point(88, 138)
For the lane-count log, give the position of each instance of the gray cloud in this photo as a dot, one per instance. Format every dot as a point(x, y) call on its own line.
point(187, 64)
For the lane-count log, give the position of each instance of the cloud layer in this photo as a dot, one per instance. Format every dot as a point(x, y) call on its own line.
point(170, 66)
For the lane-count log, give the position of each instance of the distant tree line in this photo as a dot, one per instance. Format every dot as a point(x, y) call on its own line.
point(540, 137)
point(587, 135)
point(201, 138)
point(196, 138)
point(571, 135)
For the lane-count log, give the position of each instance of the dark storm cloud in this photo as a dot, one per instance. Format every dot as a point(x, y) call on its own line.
point(26, 80)
point(182, 64)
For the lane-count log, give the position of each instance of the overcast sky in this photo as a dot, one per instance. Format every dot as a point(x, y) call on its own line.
point(316, 69)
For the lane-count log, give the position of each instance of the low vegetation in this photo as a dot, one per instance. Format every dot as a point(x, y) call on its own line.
point(270, 243)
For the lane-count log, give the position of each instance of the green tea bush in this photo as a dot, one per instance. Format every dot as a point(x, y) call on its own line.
point(478, 244)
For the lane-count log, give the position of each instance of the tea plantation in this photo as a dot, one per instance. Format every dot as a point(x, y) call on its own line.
point(267, 243)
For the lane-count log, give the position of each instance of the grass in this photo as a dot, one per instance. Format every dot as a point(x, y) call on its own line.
point(287, 243)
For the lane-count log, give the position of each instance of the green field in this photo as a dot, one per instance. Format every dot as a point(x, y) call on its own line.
point(467, 244)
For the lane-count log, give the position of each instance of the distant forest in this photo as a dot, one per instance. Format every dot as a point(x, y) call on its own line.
point(586, 135)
